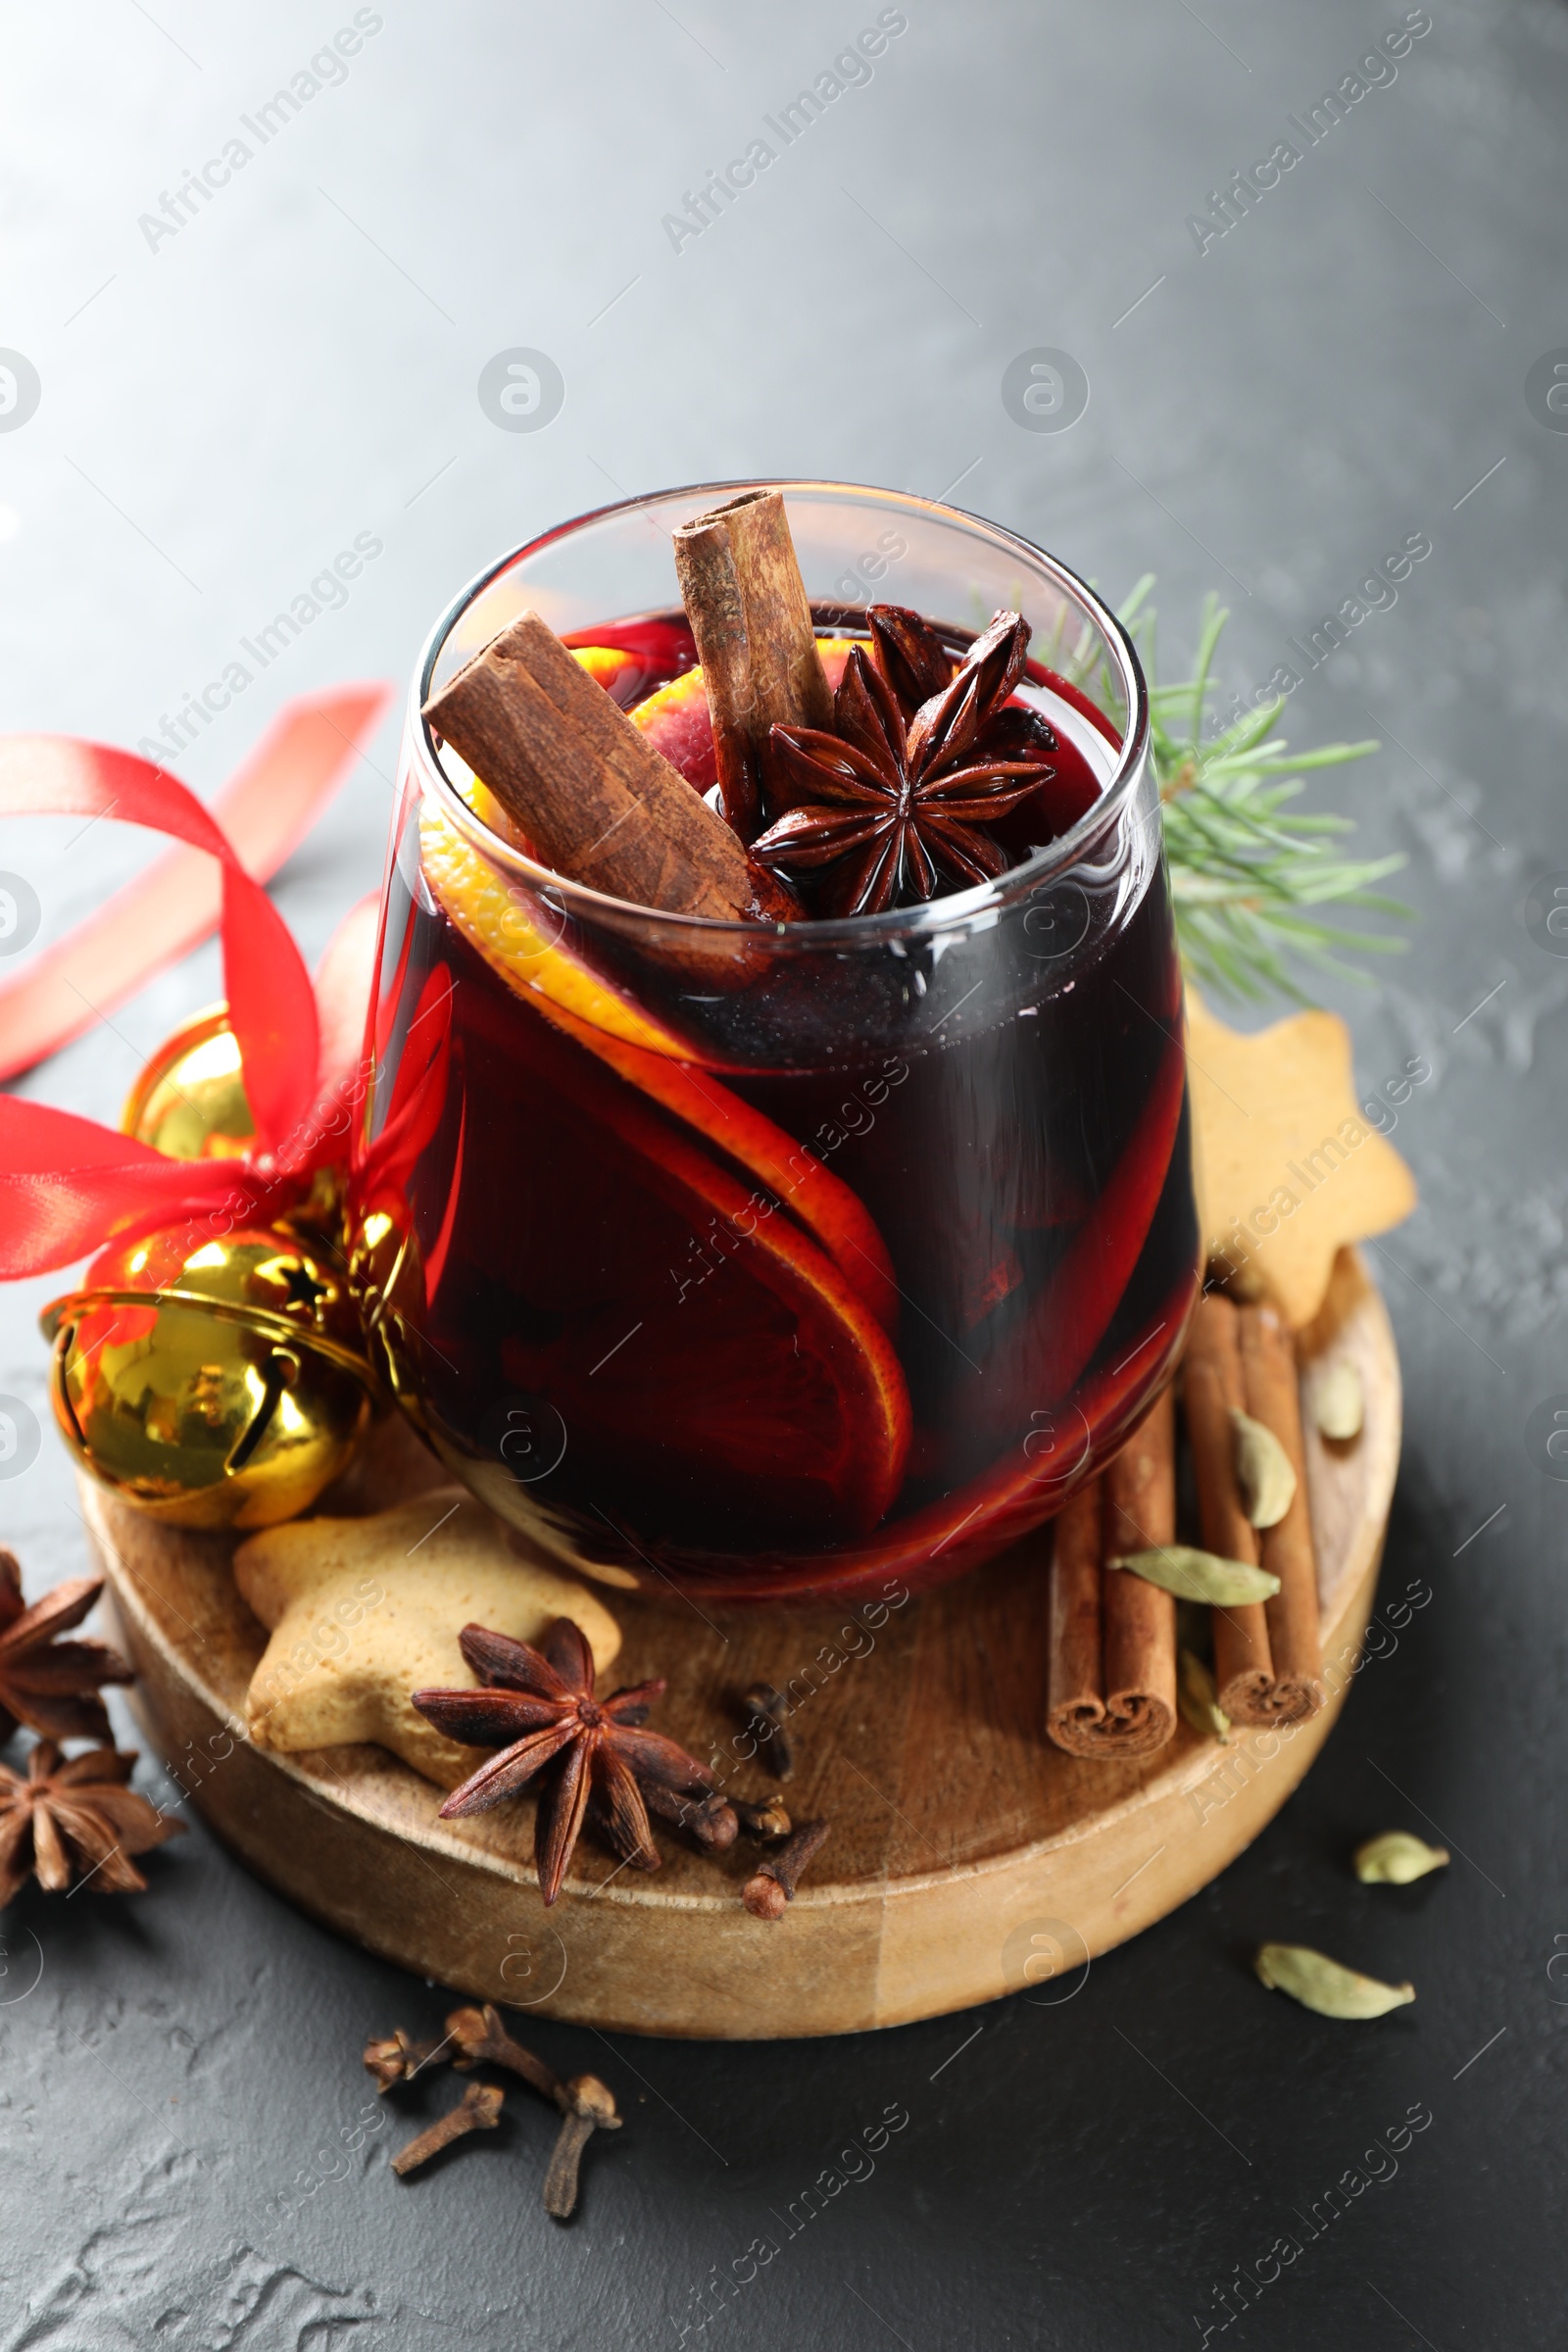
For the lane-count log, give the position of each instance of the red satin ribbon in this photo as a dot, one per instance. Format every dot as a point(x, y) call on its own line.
point(270, 802)
point(69, 1185)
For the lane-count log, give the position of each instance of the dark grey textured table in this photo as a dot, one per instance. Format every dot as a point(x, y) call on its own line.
point(231, 390)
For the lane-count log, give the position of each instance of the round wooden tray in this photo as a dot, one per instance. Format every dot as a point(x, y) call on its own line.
point(968, 1858)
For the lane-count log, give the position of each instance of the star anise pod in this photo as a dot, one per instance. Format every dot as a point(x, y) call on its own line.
point(538, 1708)
point(910, 653)
point(52, 1686)
point(76, 1817)
point(896, 801)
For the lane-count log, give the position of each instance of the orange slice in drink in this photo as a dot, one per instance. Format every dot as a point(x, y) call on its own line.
point(615, 670)
point(730, 1352)
point(699, 1346)
point(833, 1216)
point(514, 933)
point(509, 930)
point(676, 721)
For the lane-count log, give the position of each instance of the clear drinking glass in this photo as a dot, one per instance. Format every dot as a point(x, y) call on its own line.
point(769, 1262)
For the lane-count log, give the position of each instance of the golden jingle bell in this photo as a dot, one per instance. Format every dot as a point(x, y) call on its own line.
point(213, 1383)
point(386, 1277)
point(190, 1101)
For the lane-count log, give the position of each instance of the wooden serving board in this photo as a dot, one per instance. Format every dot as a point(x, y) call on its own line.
point(968, 1856)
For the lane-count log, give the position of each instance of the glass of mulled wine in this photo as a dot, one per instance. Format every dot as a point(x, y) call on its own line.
point(779, 1260)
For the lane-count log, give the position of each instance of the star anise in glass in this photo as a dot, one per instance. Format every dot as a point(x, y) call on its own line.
point(52, 1686)
point(538, 1708)
point(894, 804)
point(64, 1818)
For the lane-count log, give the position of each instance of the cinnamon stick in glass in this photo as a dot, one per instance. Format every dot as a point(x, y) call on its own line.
point(751, 619)
point(1295, 1627)
point(591, 794)
point(1113, 1672)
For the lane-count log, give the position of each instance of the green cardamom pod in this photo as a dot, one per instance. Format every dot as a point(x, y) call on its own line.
point(1397, 1859)
point(1198, 1699)
point(1336, 1401)
point(1264, 1471)
point(1194, 1575)
point(1324, 1984)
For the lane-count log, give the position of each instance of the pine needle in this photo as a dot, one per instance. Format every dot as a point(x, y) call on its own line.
point(1247, 868)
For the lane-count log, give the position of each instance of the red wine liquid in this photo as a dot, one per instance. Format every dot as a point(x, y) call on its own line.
point(693, 1355)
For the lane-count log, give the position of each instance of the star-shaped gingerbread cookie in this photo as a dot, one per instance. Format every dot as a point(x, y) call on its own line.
point(1288, 1166)
point(364, 1611)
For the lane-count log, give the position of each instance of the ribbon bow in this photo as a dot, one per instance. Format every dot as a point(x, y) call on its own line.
point(69, 1185)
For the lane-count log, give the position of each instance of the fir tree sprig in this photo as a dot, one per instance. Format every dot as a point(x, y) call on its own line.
point(1247, 870)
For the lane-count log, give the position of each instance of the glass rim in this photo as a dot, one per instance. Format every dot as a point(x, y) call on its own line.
point(954, 909)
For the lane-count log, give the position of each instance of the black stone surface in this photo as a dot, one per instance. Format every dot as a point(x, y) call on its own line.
point(221, 410)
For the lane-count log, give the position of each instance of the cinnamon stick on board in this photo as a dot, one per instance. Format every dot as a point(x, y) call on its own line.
point(1255, 1684)
point(1140, 1622)
point(1211, 1390)
point(1294, 1630)
point(1074, 1707)
point(1112, 1674)
point(593, 797)
point(751, 619)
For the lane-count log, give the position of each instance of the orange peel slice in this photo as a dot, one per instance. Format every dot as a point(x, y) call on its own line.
point(494, 916)
point(676, 720)
point(778, 1390)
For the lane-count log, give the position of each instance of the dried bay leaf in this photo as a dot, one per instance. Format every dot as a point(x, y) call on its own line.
point(1264, 1471)
point(1397, 1859)
point(1337, 1401)
point(1198, 1699)
point(1195, 1575)
point(1326, 1986)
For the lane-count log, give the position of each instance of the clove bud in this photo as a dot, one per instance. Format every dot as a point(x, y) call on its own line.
point(587, 2106)
point(478, 2110)
point(481, 2039)
point(709, 1816)
point(774, 1886)
point(765, 1711)
point(766, 1822)
point(397, 2059)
